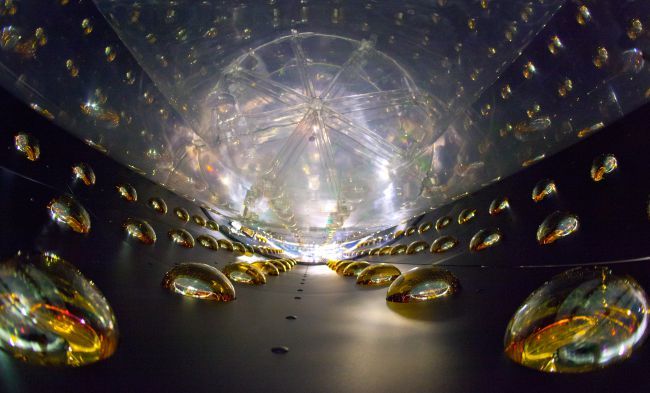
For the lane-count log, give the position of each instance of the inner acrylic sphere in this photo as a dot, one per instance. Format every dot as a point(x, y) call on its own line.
point(309, 128)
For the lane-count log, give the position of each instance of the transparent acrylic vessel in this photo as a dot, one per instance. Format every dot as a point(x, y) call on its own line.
point(321, 121)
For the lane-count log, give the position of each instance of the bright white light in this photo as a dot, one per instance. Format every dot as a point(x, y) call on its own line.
point(326, 252)
point(383, 174)
point(389, 192)
point(328, 206)
point(314, 183)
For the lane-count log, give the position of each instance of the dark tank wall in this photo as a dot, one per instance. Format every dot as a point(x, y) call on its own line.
point(341, 337)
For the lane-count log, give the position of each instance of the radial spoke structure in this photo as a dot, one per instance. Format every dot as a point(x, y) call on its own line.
point(319, 124)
